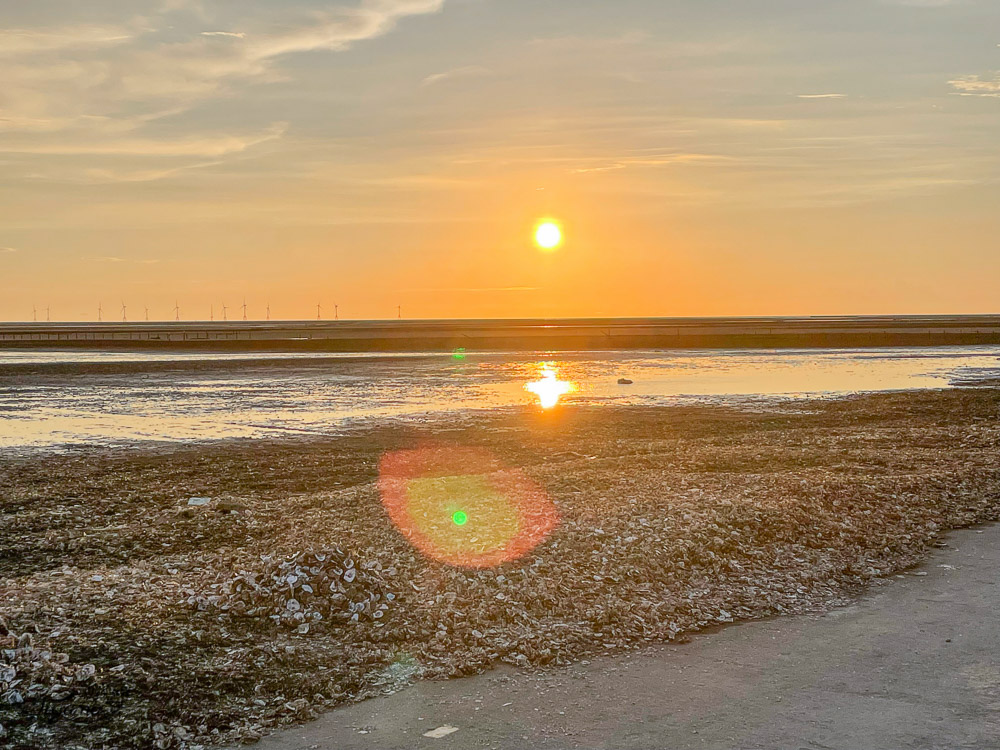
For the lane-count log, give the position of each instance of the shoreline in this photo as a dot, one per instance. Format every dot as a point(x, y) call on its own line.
point(673, 519)
point(516, 334)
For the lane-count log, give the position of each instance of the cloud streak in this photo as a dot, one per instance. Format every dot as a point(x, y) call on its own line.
point(193, 146)
point(340, 29)
point(470, 71)
point(474, 289)
point(656, 161)
point(116, 259)
point(977, 86)
point(15, 42)
point(66, 78)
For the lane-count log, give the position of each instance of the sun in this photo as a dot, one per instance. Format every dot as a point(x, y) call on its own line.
point(548, 235)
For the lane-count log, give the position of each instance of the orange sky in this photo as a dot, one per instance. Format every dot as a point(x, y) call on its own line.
point(376, 153)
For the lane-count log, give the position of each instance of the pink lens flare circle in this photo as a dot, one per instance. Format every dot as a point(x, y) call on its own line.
point(463, 506)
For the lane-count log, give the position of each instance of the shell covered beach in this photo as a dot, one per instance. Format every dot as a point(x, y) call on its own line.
point(184, 596)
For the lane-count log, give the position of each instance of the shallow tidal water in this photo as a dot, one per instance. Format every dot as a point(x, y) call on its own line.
point(60, 399)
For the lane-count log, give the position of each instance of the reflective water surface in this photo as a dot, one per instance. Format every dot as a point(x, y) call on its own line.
point(57, 398)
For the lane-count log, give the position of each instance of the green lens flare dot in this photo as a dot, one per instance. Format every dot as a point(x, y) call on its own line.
point(460, 517)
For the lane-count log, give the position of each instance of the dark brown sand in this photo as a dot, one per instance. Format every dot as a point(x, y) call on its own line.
point(672, 519)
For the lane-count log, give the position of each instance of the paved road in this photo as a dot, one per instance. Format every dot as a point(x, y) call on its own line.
point(916, 664)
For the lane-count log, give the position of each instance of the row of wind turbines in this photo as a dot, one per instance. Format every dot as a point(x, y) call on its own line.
point(177, 312)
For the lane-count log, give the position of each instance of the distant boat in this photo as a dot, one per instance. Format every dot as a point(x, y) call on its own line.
point(624, 381)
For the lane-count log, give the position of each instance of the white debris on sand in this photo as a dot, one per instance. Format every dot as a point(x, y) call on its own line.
point(146, 622)
point(442, 731)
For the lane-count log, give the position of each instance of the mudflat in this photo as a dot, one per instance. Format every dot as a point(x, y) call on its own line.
point(135, 617)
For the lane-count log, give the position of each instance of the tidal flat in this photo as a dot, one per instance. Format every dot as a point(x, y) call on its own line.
point(131, 617)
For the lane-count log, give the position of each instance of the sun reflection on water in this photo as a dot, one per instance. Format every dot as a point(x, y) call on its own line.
point(549, 389)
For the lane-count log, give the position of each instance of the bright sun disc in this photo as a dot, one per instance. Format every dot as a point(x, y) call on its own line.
point(548, 235)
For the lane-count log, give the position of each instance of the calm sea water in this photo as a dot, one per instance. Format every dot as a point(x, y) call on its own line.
point(56, 398)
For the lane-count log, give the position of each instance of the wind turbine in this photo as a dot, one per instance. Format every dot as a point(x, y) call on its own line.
point(225, 314)
point(124, 319)
point(399, 311)
point(318, 311)
point(47, 316)
point(244, 308)
point(268, 310)
point(34, 313)
point(177, 311)
point(212, 314)
point(147, 314)
point(336, 312)
point(100, 312)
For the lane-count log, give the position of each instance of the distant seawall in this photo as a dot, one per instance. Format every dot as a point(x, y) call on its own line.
point(535, 334)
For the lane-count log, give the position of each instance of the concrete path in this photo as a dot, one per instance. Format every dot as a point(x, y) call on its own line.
point(915, 664)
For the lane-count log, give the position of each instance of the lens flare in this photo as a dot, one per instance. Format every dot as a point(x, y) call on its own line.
point(549, 389)
point(462, 506)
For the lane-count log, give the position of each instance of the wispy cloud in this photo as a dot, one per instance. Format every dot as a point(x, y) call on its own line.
point(234, 34)
point(822, 96)
point(67, 78)
point(139, 175)
point(205, 145)
point(652, 161)
point(977, 86)
point(8, 249)
point(470, 71)
point(341, 29)
point(116, 259)
point(474, 289)
point(15, 42)
point(578, 42)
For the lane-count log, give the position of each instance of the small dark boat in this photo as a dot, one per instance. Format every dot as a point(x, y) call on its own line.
point(624, 381)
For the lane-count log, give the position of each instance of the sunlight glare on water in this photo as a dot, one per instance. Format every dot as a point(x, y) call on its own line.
point(64, 398)
point(549, 388)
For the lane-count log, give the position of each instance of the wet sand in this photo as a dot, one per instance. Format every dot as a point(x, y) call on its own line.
point(673, 519)
point(50, 399)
